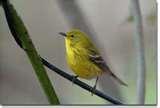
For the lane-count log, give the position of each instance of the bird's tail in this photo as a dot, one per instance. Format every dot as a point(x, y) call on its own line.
point(107, 69)
point(117, 79)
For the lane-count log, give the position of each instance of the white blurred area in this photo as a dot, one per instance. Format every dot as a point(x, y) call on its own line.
point(44, 20)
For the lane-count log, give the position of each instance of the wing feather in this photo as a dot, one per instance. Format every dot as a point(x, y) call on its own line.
point(97, 59)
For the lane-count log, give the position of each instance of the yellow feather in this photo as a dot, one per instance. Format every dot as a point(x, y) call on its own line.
point(77, 55)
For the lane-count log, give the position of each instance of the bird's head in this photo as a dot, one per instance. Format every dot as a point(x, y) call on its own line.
point(75, 36)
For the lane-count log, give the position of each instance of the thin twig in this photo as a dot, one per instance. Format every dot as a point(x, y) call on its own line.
point(139, 44)
point(80, 83)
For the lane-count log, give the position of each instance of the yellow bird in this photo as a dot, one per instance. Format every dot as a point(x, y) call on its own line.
point(84, 58)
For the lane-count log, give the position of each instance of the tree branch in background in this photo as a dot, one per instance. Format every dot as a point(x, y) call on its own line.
point(77, 19)
point(139, 45)
point(74, 16)
point(20, 34)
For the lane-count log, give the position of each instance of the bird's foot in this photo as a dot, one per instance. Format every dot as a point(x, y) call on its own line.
point(74, 78)
point(94, 87)
point(93, 90)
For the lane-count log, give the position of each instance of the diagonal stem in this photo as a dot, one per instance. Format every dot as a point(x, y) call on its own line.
point(21, 36)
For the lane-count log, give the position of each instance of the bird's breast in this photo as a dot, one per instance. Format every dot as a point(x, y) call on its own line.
point(80, 64)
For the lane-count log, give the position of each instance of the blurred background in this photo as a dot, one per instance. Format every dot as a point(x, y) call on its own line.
point(110, 25)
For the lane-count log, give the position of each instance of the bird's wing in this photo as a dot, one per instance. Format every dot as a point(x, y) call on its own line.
point(97, 59)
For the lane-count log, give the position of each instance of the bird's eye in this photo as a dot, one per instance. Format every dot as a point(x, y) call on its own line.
point(72, 35)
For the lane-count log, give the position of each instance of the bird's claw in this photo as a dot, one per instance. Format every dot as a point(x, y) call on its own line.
point(74, 78)
point(93, 90)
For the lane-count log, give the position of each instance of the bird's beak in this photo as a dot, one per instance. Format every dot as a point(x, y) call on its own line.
point(63, 34)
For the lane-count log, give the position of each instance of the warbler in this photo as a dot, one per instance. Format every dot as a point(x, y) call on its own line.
point(84, 58)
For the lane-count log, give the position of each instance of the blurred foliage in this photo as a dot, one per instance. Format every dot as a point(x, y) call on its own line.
point(130, 19)
point(150, 18)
